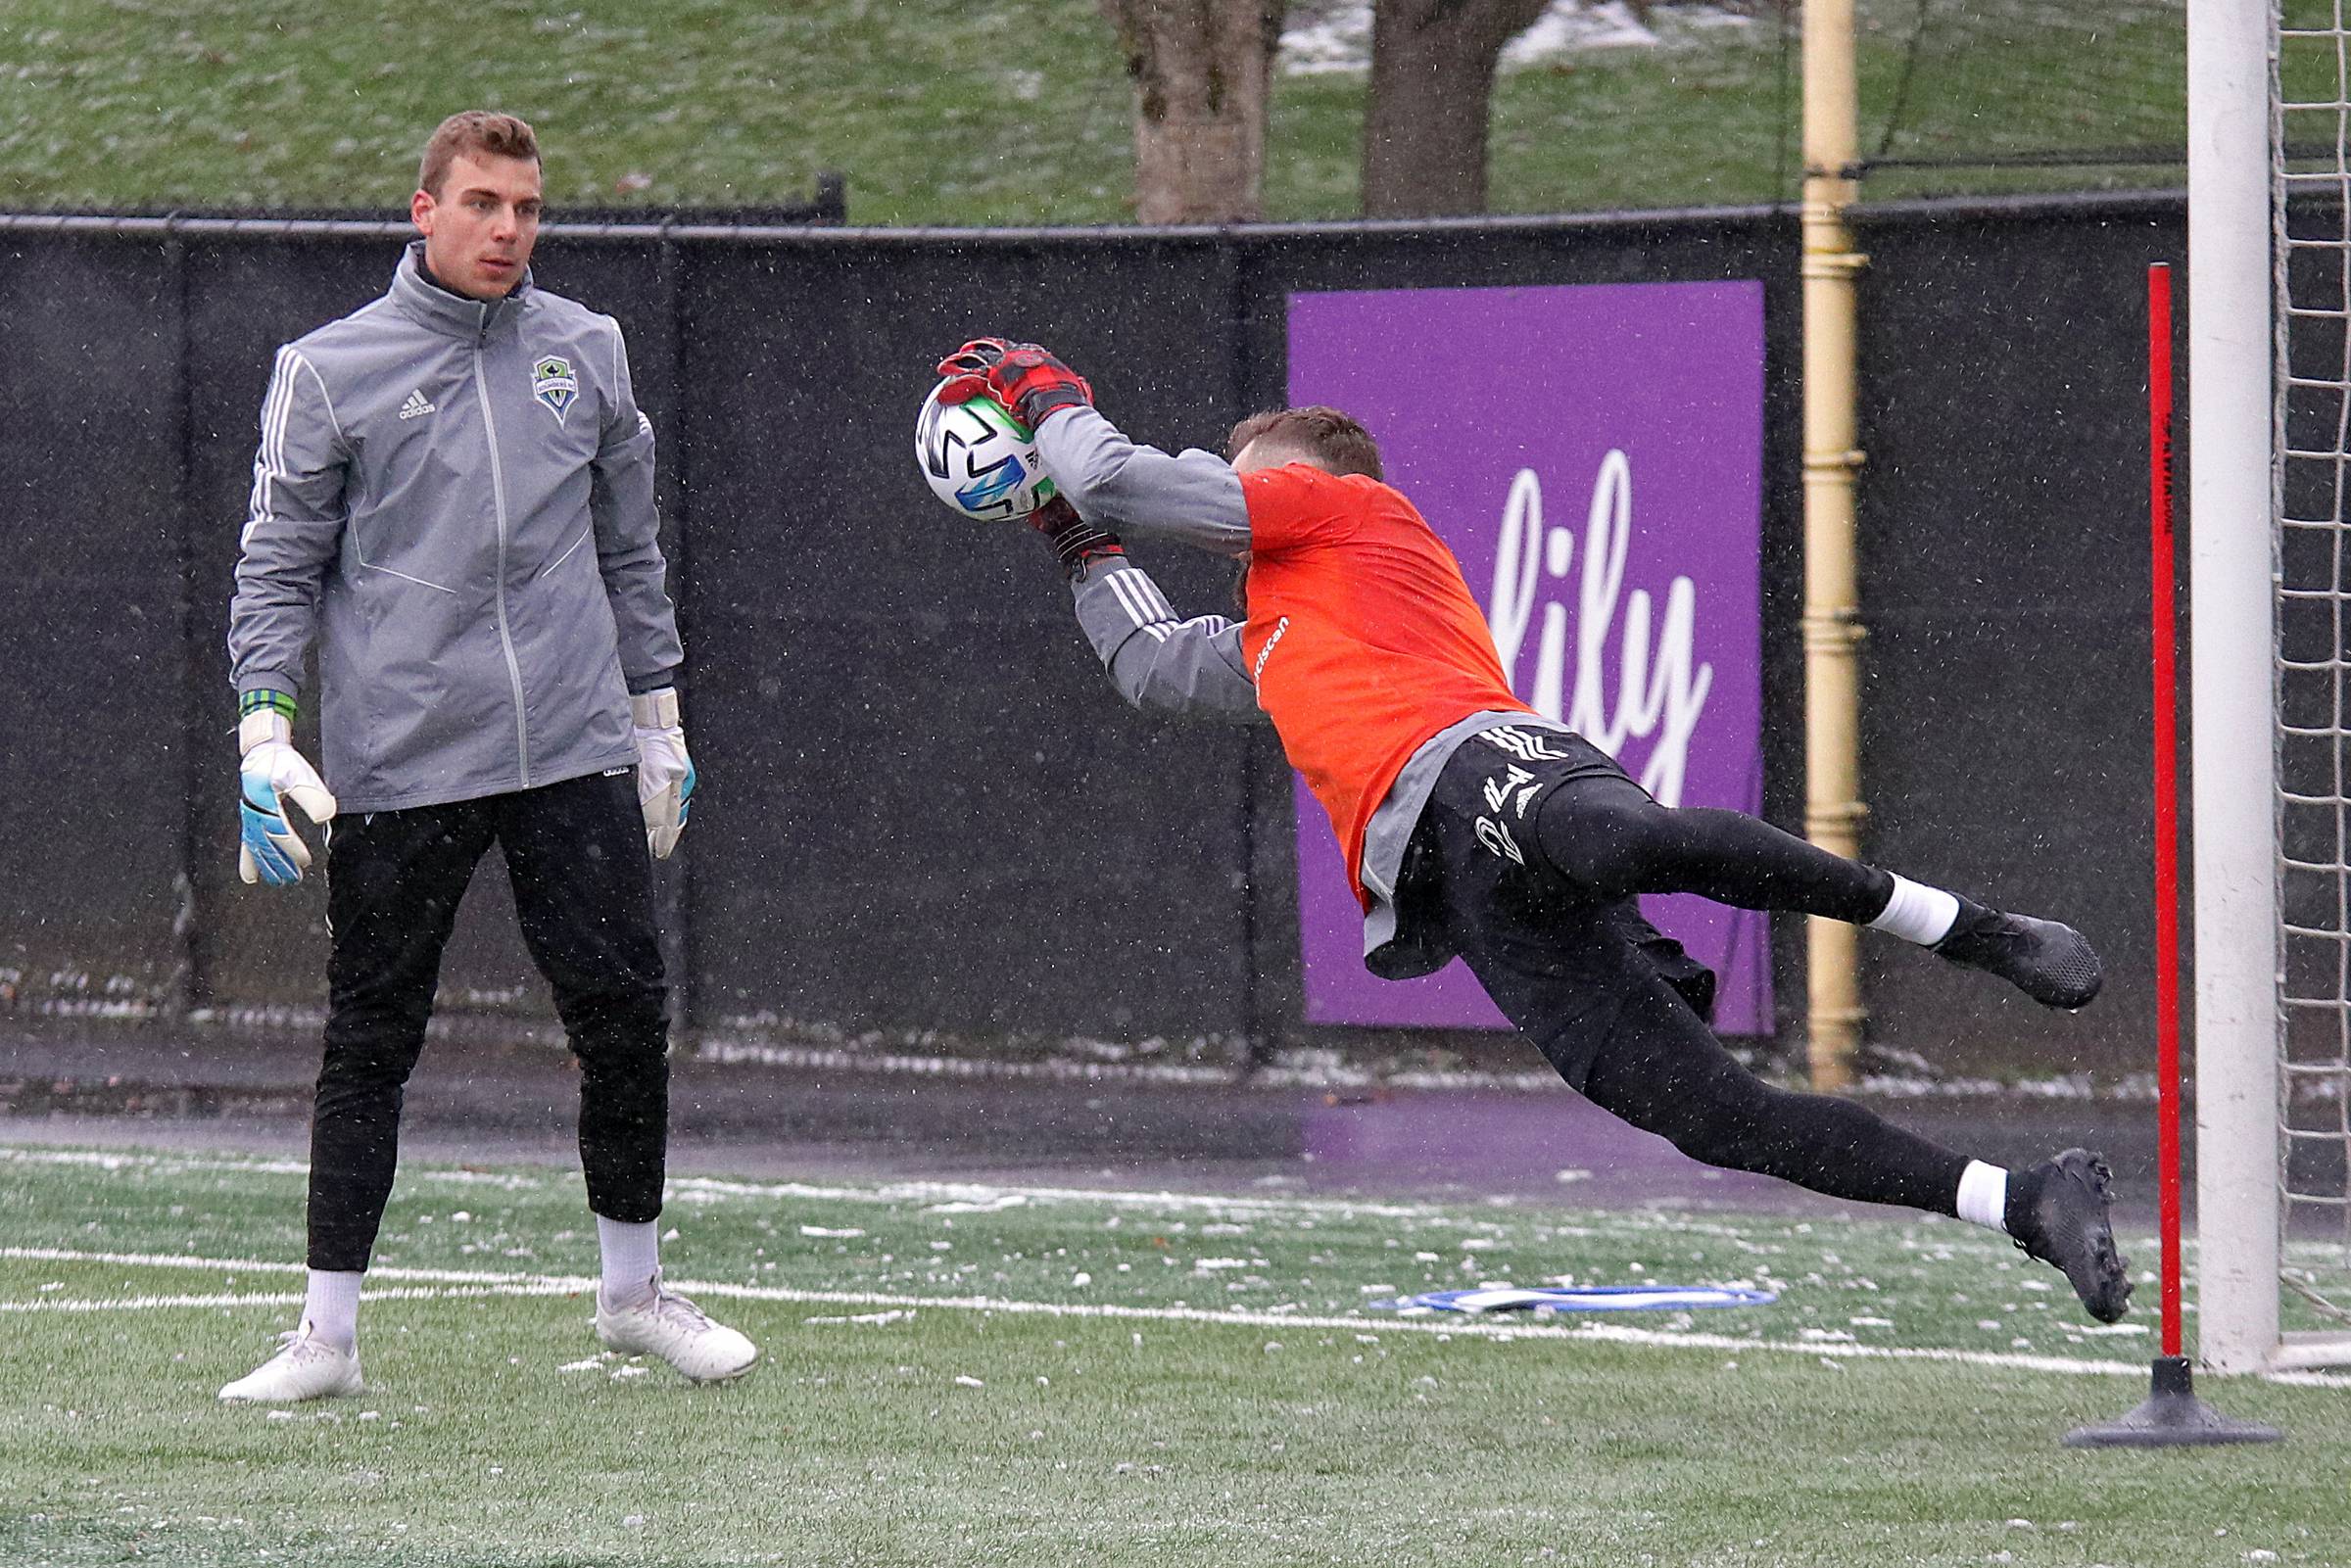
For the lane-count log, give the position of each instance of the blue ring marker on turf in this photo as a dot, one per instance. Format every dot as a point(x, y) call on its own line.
point(1549, 1298)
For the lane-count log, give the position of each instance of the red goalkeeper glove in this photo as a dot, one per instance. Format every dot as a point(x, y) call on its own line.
point(1077, 544)
point(1022, 376)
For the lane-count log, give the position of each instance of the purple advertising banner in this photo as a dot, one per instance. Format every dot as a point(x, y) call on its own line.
point(1593, 454)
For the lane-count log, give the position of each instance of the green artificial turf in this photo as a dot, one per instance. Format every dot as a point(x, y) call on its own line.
point(976, 1375)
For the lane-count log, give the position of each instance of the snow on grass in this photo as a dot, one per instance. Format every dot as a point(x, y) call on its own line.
point(1335, 39)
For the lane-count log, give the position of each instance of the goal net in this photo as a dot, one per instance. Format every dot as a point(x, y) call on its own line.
point(2270, 433)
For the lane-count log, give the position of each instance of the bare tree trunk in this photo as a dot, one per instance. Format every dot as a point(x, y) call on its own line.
point(1432, 88)
point(1202, 69)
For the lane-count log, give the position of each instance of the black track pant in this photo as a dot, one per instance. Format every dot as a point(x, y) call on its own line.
point(1531, 849)
point(576, 854)
point(1605, 834)
point(1662, 1070)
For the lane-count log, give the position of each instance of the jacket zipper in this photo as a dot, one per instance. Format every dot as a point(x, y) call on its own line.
point(497, 497)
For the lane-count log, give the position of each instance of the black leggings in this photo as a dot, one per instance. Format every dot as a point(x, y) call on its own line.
point(583, 885)
point(1553, 934)
point(1608, 836)
point(1662, 1070)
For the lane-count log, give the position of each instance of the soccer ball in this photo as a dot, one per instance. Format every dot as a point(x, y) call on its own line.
point(980, 459)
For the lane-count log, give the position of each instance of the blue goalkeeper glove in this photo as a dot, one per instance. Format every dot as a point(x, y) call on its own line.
point(272, 773)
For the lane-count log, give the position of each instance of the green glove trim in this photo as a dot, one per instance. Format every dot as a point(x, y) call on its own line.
point(266, 701)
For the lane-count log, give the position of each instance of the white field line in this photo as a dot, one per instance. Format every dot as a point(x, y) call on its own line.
point(436, 1283)
point(984, 1195)
point(111, 1161)
point(148, 1303)
point(690, 1186)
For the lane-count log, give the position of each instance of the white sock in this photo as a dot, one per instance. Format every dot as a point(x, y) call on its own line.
point(631, 1253)
point(1917, 912)
point(331, 1306)
point(1984, 1196)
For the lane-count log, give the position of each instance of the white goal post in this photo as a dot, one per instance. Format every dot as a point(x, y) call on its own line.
point(2269, 417)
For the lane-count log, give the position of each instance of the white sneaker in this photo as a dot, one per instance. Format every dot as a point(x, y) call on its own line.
point(304, 1367)
point(664, 1323)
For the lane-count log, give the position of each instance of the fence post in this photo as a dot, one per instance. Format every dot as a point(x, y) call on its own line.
point(675, 892)
point(1257, 1044)
point(1833, 806)
point(189, 986)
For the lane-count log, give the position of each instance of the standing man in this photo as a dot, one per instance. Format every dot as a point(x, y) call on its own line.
point(1472, 826)
point(454, 496)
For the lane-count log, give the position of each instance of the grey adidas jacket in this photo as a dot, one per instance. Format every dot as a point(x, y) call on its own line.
point(456, 498)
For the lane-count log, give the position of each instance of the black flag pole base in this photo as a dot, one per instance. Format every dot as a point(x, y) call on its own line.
point(2172, 1416)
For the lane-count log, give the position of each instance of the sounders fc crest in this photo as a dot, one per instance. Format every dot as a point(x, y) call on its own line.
point(553, 384)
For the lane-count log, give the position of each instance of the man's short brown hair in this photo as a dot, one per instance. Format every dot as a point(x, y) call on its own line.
point(1329, 439)
point(471, 132)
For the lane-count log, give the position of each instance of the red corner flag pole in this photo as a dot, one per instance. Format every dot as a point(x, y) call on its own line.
point(2172, 1415)
point(2162, 563)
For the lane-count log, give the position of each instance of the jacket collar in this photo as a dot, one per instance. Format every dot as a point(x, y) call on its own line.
point(437, 307)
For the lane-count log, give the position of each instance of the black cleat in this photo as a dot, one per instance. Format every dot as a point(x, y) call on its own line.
point(2051, 963)
point(2057, 1212)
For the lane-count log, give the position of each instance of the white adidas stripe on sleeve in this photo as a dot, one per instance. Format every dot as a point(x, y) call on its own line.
point(1136, 596)
point(270, 460)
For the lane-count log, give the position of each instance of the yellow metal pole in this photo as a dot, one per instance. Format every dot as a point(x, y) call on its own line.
point(1833, 807)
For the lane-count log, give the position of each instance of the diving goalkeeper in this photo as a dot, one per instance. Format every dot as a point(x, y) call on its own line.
point(1472, 826)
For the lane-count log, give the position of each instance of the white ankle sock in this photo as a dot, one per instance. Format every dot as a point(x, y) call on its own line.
point(1917, 912)
point(631, 1253)
point(330, 1305)
point(1984, 1196)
